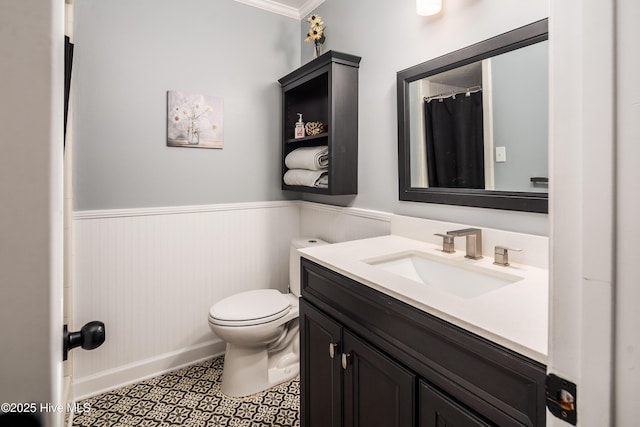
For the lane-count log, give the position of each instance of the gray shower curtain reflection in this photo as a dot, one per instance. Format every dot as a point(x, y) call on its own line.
point(455, 141)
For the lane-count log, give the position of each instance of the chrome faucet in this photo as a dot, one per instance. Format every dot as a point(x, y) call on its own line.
point(474, 241)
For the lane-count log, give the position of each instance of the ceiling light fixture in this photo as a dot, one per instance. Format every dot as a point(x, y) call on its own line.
point(428, 7)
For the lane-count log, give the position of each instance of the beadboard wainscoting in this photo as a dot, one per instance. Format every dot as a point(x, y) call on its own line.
point(152, 274)
point(336, 224)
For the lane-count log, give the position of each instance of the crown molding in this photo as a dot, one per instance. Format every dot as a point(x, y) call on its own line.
point(308, 7)
point(282, 9)
point(272, 6)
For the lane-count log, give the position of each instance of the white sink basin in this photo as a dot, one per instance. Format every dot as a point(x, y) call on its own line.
point(458, 277)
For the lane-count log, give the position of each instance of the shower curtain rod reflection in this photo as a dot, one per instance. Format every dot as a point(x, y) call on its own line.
point(468, 91)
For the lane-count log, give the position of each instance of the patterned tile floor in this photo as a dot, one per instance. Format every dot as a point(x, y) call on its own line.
point(191, 397)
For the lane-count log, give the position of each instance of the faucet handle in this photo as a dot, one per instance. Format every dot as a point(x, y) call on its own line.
point(447, 243)
point(501, 255)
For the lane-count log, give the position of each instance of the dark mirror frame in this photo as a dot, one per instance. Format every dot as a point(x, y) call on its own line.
point(508, 200)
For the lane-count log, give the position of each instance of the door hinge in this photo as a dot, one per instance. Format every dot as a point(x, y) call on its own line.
point(562, 399)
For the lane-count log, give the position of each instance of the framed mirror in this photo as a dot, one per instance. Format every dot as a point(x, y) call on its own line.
point(473, 124)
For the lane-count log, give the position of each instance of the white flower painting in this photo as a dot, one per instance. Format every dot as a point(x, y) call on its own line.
point(194, 120)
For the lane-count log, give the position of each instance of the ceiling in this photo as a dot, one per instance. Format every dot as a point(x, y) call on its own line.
point(297, 9)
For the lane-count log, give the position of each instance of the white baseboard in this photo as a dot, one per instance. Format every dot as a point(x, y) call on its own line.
point(119, 377)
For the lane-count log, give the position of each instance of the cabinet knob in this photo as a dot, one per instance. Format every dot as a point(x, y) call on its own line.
point(345, 360)
point(332, 349)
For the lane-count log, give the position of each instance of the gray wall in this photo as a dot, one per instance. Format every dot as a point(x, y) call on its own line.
point(390, 37)
point(128, 54)
point(520, 116)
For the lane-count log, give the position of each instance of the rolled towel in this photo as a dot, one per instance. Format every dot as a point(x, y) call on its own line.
point(306, 178)
point(311, 158)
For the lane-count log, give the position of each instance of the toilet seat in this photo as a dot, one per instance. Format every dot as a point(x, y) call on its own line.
point(250, 308)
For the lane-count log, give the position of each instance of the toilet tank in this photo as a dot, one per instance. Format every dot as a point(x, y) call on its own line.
point(294, 260)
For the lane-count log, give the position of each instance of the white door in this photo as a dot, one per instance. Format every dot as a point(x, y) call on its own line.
point(31, 227)
point(627, 290)
point(594, 210)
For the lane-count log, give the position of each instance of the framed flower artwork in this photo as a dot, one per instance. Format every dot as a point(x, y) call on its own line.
point(194, 120)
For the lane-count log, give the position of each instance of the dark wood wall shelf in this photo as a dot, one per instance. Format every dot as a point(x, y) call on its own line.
point(309, 138)
point(325, 90)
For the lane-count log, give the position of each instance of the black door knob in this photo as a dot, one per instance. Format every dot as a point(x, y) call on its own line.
point(91, 336)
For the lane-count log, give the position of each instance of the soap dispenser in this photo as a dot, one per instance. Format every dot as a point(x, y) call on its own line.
point(299, 127)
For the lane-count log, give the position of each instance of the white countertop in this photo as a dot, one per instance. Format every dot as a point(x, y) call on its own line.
point(514, 316)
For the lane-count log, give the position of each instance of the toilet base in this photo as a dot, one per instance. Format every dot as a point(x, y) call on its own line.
point(249, 371)
point(260, 356)
point(286, 367)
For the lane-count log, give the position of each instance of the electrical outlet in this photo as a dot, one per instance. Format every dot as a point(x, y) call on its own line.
point(501, 154)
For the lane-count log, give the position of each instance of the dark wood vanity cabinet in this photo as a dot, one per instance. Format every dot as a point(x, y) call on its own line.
point(324, 90)
point(320, 337)
point(370, 360)
point(347, 381)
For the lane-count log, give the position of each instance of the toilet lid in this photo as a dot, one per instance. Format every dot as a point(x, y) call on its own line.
point(251, 307)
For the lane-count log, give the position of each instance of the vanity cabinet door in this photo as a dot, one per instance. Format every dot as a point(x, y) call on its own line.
point(320, 370)
point(378, 392)
point(438, 410)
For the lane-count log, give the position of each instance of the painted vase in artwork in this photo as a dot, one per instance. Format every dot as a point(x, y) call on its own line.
point(193, 132)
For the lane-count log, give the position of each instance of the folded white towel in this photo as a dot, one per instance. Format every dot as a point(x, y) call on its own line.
point(323, 182)
point(306, 177)
point(311, 158)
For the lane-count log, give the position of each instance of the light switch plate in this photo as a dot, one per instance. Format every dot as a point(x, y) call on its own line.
point(501, 154)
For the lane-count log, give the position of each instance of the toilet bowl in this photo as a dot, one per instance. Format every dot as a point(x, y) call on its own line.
point(261, 330)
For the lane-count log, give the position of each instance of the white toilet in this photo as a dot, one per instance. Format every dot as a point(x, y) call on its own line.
point(261, 331)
